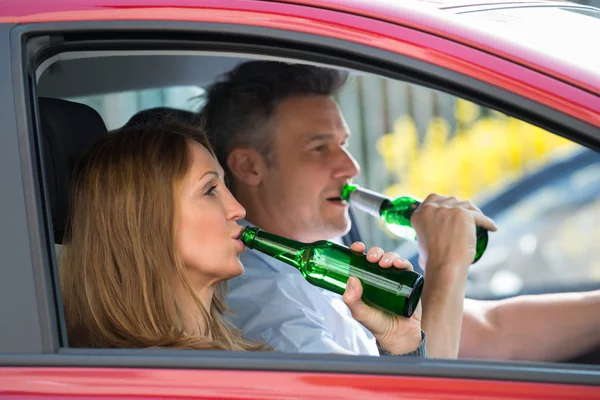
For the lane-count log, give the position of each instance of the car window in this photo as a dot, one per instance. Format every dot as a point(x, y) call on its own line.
point(542, 190)
point(413, 140)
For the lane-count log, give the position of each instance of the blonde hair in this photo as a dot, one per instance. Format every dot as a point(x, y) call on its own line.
point(118, 266)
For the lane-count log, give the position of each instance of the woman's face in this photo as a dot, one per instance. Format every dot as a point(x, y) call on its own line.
point(207, 232)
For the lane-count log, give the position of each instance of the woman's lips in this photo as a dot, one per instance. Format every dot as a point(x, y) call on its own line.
point(241, 246)
point(238, 234)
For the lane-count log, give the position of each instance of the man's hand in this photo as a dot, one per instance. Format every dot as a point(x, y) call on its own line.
point(446, 238)
point(398, 335)
point(445, 229)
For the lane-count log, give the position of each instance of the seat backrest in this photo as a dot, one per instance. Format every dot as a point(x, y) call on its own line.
point(162, 114)
point(68, 129)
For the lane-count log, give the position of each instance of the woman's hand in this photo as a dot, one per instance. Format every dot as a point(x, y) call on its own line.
point(396, 334)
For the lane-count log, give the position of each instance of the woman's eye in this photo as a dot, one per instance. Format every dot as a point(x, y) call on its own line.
point(211, 191)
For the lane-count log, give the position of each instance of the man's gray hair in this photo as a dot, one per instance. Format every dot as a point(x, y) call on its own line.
point(239, 107)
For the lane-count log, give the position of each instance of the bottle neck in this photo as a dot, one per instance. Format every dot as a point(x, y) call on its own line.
point(283, 249)
point(364, 199)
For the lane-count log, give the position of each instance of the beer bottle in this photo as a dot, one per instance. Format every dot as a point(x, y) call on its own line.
point(396, 213)
point(329, 265)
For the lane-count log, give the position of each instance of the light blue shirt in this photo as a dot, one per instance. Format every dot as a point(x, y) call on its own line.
point(272, 302)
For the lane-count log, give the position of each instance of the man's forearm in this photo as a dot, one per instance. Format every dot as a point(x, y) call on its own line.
point(443, 297)
point(550, 327)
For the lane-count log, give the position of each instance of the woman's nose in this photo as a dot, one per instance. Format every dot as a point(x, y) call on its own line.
point(235, 210)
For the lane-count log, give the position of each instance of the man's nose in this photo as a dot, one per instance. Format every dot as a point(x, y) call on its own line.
point(347, 167)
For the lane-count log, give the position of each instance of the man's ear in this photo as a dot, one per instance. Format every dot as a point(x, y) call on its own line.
point(247, 165)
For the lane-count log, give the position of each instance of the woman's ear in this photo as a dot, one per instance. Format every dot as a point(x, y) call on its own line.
point(246, 165)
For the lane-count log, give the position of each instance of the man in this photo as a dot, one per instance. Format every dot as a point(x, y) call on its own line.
point(281, 138)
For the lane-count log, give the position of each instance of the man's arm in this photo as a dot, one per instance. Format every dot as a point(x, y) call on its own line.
point(445, 229)
point(442, 298)
point(552, 327)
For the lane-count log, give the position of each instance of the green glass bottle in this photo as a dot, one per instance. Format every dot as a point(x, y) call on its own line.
point(396, 213)
point(329, 265)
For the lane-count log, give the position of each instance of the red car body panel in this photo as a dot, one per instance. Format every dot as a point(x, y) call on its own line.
point(416, 14)
point(94, 383)
point(535, 85)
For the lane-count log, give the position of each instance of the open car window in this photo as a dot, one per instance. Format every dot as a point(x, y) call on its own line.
point(540, 188)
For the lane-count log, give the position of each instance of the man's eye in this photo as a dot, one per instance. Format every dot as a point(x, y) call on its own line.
point(211, 191)
point(319, 148)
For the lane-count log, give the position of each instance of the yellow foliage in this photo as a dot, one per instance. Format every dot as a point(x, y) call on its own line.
point(466, 112)
point(484, 155)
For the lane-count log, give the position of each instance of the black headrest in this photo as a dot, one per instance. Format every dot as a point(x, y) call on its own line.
point(162, 114)
point(68, 129)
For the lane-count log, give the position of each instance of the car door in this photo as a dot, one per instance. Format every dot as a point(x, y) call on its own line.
point(34, 352)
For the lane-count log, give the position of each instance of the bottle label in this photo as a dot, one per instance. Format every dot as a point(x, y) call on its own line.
point(368, 201)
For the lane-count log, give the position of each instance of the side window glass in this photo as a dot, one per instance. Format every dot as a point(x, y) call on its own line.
point(542, 190)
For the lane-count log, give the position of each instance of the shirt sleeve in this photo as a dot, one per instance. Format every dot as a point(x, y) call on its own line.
point(420, 351)
point(274, 308)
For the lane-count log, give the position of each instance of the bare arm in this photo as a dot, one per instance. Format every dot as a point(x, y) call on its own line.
point(550, 327)
point(442, 298)
point(445, 229)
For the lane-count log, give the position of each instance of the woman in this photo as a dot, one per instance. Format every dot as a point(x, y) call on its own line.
point(152, 239)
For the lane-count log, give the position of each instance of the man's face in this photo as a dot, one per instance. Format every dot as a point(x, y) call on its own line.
point(309, 165)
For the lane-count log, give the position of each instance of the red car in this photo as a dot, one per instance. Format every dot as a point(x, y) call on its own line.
point(529, 59)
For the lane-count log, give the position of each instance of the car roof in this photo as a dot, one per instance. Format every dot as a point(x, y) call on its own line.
point(501, 27)
point(510, 29)
point(391, 10)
